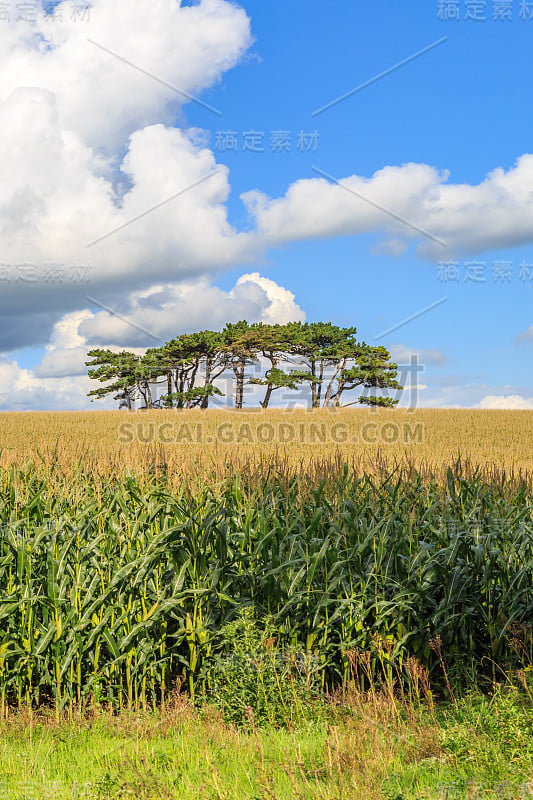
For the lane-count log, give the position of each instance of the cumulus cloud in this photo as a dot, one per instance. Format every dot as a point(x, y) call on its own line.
point(53, 222)
point(280, 306)
point(66, 353)
point(22, 390)
point(91, 148)
point(412, 202)
point(164, 310)
point(174, 53)
point(511, 401)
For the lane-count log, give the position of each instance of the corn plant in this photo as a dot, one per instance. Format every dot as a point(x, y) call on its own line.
point(115, 591)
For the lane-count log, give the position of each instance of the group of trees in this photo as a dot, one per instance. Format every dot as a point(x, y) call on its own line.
point(327, 358)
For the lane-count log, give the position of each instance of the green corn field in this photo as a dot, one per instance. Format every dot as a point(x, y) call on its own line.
point(116, 591)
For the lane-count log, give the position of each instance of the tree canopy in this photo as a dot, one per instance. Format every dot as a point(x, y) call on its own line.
point(325, 357)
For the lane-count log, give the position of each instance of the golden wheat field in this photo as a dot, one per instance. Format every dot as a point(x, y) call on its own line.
point(200, 444)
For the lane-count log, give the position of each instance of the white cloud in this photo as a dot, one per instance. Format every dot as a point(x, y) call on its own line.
point(161, 312)
point(61, 363)
point(66, 331)
point(469, 219)
point(101, 99)
point(510, 401)
point(280, 307)
point(55, 221)
point(22, 390)
point(66, 353)
point(90, 148)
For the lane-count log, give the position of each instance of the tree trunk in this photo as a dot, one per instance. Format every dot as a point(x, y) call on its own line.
point(239, 389)
point(340, 390)
point(150, 402)
point(271, 355)
point(318, 384)
point(319, 392)
point(192, 380)
point(180, 386)
point(144, 396)
point(313, 385)
point(268, 395)
point(208, 367)
point(338, 371)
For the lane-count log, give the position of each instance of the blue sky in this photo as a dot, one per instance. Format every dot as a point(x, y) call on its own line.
point(462, 107)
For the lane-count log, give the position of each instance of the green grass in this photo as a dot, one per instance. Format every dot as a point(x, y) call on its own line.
point(363, 748)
